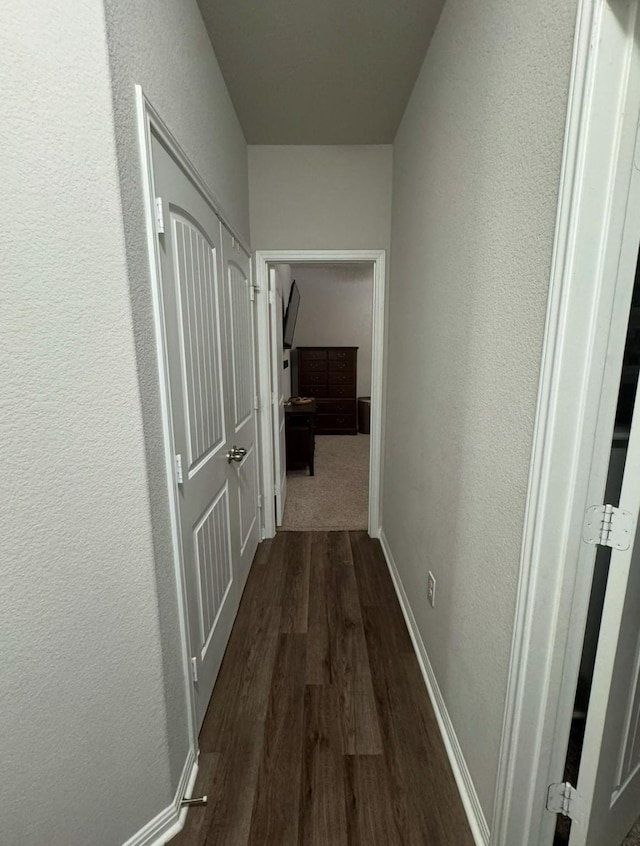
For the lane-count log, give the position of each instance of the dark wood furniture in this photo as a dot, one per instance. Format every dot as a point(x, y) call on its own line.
point(300, 434)
point(329, 375)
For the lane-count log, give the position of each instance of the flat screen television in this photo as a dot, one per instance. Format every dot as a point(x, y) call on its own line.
point(291, 316)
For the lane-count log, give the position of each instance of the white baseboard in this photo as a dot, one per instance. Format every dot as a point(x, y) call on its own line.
point(164, 826)
point(466, 788)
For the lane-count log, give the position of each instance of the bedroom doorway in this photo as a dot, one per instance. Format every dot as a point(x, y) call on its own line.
point(321, 331)
point(327, 351)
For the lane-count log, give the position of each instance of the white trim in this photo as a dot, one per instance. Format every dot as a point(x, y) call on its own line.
point(153, 120)
point(171, 820)
point(572, 434)
point(377, 257)
point(148, 120)
point(466, 787)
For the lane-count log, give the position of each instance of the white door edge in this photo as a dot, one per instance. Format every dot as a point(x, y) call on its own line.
point(572, 441)
point(378, 258)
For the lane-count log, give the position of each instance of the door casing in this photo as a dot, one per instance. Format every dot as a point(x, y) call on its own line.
point(263, 259)
point(574, 422)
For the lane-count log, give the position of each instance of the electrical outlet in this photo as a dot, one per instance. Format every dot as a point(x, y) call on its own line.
point(431, 589)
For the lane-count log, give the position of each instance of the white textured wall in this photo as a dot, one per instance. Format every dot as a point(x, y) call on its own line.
point(83, 727)
point(323, 198)
point(336, 309)
point(163, 46)
point(476, 171)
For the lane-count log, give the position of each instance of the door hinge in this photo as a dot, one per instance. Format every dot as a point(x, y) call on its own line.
point(159, 216)
point(194, 669)
point(252, 294)
point(563, 798)
point(179, 475)
point(606, 525)
point(259, 500)
point(256, 403)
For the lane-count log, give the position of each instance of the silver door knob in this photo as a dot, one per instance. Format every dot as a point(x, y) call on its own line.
point(236, 454)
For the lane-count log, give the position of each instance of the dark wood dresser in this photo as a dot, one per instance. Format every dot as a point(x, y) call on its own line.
point(329, 375)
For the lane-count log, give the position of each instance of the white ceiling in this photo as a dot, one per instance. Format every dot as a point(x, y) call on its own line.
point(320, 71)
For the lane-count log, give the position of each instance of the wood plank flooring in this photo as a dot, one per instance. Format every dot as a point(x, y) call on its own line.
point(320, 731)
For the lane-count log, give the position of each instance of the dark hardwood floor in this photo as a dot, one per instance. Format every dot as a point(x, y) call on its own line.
point(320, 730)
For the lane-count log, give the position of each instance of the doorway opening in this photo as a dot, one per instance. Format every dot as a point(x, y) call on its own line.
point(321, 332)
point(326, 361)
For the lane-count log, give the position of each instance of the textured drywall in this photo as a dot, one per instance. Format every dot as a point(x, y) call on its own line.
point(83, 727)
point(336, 309)
point(164, 47)
point(475, 184)
point(323, 198)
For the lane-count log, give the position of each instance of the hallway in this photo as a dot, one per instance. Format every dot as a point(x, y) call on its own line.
point(320, 730)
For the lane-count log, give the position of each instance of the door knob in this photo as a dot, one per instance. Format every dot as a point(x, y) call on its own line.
point(236, 454)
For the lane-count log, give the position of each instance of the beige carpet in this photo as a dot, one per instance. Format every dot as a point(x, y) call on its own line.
point(337, 496)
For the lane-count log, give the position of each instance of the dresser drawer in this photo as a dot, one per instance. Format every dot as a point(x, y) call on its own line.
point(304, 354)
point(341, 354)
point(330, 406)
point(312, 365)
point(307, 390)
point(306, 378)
point(336, 423)
point(340, 391)
point(338, 378)
point(342, 364)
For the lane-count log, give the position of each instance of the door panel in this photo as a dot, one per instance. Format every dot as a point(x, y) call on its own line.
point(248, 495)
point(609, 778)
point(240, 336)
point(277, 382)
point(201, 344)
point(240, 322)
point(209, 356)
point(212, 545)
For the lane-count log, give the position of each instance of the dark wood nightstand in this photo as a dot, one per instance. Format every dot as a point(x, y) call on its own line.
point(300, 431)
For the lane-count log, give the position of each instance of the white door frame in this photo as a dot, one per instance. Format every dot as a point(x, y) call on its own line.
point(377, 257)
point(149, 121)
point(572, 436)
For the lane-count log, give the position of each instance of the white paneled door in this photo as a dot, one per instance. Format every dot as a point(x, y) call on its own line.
point(276, 309)
point(207, 311)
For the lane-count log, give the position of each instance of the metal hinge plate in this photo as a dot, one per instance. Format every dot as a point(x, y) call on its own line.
point(194, 669)
point(179, 474)
point(252, 293)
point(159, 216)
point(563, 798)
point(606, 525)
point(259, 500)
